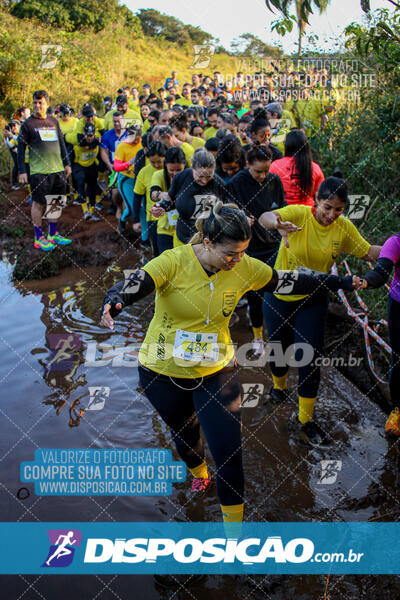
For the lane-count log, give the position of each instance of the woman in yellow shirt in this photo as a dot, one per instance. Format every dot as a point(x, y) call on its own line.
point(187, 366)
point(313, 237)
point(175, 162)
point(180, 126)
point(156, 154)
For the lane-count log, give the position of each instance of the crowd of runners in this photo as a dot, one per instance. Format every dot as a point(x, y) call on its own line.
point(218, 181)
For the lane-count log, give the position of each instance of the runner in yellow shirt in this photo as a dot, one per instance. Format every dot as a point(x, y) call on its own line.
point(313, 237)
point(187, 368)
point(175, 162)
point(156, 154)
point(165, 134)
point(180, 126)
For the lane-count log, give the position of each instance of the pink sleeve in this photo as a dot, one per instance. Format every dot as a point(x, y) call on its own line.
point(391, 249)
point(119, 165)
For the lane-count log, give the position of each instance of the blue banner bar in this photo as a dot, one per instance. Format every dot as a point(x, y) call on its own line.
point(146, 548)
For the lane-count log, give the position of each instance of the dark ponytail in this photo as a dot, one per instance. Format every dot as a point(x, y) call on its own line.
point(296, 144)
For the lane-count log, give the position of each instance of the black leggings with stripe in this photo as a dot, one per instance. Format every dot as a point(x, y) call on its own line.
point(214, 405)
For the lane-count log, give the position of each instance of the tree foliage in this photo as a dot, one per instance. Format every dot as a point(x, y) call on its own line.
point(379, 40)
point(248, 44)
point(156, 24)
point(73, 15)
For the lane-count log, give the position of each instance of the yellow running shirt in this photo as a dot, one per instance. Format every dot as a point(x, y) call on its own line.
point(124, 152)
point(210, 132)
point(143, 187)
point(86, 156)
point(188, 151)
point(197, 142)
point(316, 246)
point(68, 126)
point(192, 312)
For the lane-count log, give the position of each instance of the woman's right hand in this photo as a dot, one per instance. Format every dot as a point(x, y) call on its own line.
point(284, 228)
point(106, 318)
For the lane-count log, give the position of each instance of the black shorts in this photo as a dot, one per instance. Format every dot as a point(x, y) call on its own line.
point(43, 185)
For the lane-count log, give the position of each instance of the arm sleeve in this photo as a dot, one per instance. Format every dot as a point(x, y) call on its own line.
point(381, 273)
point(63, 149)
point(305, 281)
point(22, 143)
point(138, 285)
point(120, 165)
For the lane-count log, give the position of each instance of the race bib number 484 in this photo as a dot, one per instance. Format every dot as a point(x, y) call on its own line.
point(197, 347)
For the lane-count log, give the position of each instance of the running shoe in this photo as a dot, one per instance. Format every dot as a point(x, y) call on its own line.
point(258, 347)
point(99, 206)
point(43, 244)
point(277, 396)
point(87, 215)
point(94, 217)
point(59, 239)
point(200, 484)
point(29, 200)
point(15, 187)
point(393, 423)
point(312, 433)
point(102, 185)
point(121, 226)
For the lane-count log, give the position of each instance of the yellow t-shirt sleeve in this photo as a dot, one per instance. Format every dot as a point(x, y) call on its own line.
point(140, 187)
point(293, 213)
point(158, 180)
point(261, 275)
point(354, 243)
point(160, 269)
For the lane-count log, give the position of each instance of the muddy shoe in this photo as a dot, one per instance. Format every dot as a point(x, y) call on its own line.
point(276, 397)
point(311, 433)
point(200, 485)
point(393, 423)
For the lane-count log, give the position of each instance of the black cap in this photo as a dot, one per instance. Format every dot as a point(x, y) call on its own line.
point(87, 111)
point(89, 129)
point(107, 99)
point(122, 99)
point(65, 109)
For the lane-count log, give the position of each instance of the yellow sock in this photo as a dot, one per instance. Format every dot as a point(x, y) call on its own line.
point(233, 517)
point(98, 198)
point(280, 383)
point(258, 332)
point(232, 513)
point(84, 207)
point(91, 209)
point(29, 189)
point(200, 472)
point(306, 409)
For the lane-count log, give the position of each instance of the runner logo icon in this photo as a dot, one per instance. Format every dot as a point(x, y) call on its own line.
point(62, 550)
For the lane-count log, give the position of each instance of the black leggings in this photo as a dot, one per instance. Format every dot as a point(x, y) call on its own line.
point(215, 406)
point(394, 336)
point(255, 298)
point(299, 322)
point(152, 229)
point(86, 182)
